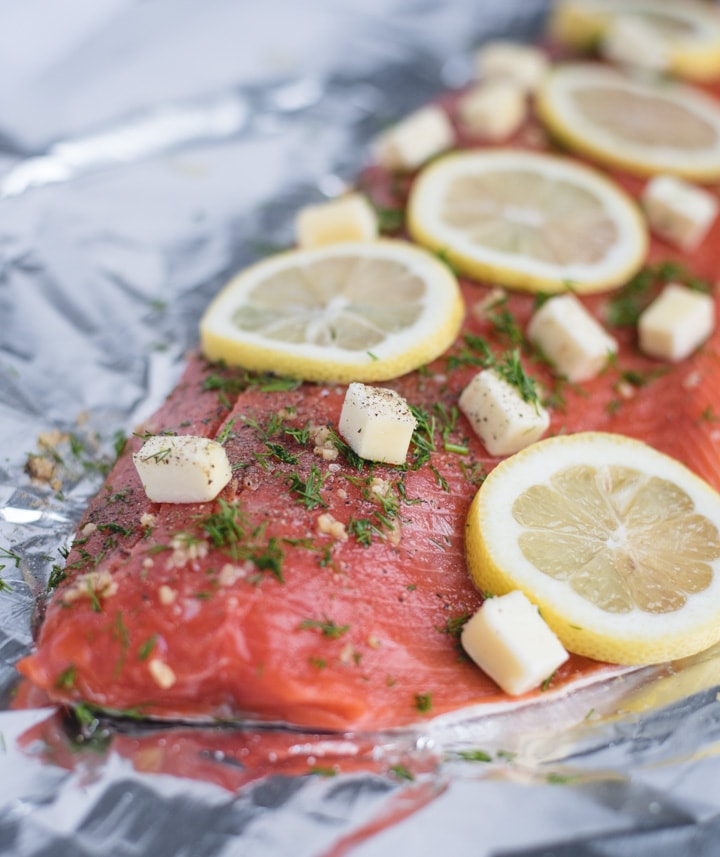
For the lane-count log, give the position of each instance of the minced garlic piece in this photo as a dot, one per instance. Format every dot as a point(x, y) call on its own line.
point(51, 439)
point(186, 551)
point(330, 526)
point(230, 573)
point(94, 584)
point(88, 529)
point(321, 436)
point(379, 489)
point(40, 468)
point(147, 519)
point(163, 674)
point(166, 594)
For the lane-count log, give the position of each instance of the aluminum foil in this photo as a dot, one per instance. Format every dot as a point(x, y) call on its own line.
point(147, 151)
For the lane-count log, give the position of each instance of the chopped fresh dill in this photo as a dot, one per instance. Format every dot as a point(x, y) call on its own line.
point(66, 679)
point(363, 529)
point(454, 625)
point(308, 490)
point(423, 437)
point(325, 626)
point(505, 324)
point(441, 480)
point(147, 648)
point(475, 756)
point(301, 435)
point(625, 307)
point(547, 682)
point(228, 530)
point(227, 431)
point(400, 772)
point(423, 702)
point(13, 557)
point(390, 219)
point(511, 369)
point(352, 458)
point(57, 575)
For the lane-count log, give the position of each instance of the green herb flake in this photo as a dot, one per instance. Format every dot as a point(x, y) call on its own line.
point(147, 648)
point(423, 702)
point(401, 772)
point(323, 771)
point(547, 682)
point(308, 490)
point(475, 756)
point(325, 626)
point(66, 679)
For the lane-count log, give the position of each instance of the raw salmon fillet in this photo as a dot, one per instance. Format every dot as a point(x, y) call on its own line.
point(319, 591)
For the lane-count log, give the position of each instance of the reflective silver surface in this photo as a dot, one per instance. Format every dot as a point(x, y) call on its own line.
point(147, 151)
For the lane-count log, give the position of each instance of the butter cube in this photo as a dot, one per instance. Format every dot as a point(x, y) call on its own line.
point(572, 340)
point(524, 65)
point(377, 423)
point(678, 211)
point(494, 109)
point(510, 641)
point(499, 415)
point(676, 323)
point(182, 469)
point(414, 139)
point(347, 218)
point(631, 41)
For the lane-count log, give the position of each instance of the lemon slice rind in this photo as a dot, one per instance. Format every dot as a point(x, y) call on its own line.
point(557, 109)
point(406, 346)
point(497, 564)
point(427, 223)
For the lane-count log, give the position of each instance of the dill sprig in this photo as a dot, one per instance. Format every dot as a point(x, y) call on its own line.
point(308, 490)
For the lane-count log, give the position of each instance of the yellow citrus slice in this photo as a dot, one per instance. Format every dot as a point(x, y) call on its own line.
point(528, 220)
point(639, 125)
point(615, 542)
point(359, 311)
point(689, 31)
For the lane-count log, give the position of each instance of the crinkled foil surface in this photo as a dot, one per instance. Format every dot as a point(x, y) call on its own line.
point(147, 151)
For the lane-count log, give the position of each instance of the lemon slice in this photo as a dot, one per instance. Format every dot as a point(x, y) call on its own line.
point(616, 543)
point(359, 311)
point(528, 220)
point(689, 31)
point(640, 126)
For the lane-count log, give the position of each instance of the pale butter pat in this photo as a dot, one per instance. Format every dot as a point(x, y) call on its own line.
point(182, 469)
point(678, 211)
point(572, 340)
point(631, 41)
point(510, 641)
point(494, 109)
point(347, 218)
point(377, 423)
point(499, 415)
point(676, 323)
point(414, 139)
point(522, 64)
